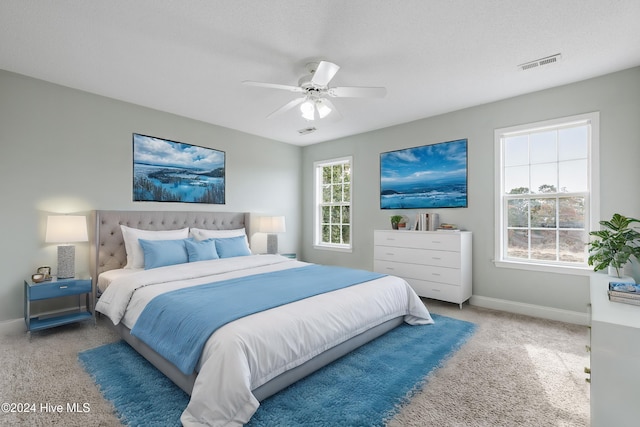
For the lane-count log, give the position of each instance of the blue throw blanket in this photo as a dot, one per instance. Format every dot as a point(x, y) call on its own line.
point(177, 324)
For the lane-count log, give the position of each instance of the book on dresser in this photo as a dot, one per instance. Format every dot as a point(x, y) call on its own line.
point(628, 293)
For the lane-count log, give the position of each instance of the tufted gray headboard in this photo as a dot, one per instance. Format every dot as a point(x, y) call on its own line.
point(107, 244)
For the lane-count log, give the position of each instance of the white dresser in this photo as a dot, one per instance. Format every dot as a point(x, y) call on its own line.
point(437, 264)
point(615, 355)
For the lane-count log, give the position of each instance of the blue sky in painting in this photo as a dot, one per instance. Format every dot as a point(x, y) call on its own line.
point(443, 163)
point(160, 152)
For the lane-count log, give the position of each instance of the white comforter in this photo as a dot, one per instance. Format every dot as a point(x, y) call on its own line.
point(249, 352)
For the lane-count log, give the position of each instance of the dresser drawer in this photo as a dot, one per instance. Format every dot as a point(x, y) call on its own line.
point(57, 289)
point(417, 256)
point(439, 291)
point(441, 241)
point(415, 271)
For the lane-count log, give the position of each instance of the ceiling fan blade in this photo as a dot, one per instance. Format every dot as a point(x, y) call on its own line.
point(286, 107)
point(273, 86)
point(357, 92)
point(324, 73)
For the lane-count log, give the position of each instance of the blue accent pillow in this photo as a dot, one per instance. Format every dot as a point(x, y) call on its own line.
point(232, 246)
point(160, 253)
point(201, 250)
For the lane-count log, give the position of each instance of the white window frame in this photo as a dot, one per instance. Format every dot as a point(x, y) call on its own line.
point(593, 199)
point(317, 201)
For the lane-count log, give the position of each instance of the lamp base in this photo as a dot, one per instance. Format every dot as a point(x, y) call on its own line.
point(66, 261)
point(272, 243)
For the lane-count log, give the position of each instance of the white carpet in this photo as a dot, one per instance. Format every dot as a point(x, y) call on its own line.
point(514, 371)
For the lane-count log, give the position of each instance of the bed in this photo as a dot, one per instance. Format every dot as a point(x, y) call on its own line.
point(252, 357)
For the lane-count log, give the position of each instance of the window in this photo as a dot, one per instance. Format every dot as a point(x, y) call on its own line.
point(333, 204)
point(547, 192)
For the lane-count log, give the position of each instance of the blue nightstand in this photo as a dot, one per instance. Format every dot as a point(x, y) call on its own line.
point(56, 289)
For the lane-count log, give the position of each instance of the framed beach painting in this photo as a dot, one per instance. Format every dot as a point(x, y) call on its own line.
point(170, 171)
point(425, 177)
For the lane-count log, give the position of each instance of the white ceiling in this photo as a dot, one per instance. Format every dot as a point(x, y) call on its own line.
point(433, 56)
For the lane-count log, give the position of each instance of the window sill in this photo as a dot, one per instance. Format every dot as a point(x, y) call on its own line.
point(332, 248)
point(576, 271)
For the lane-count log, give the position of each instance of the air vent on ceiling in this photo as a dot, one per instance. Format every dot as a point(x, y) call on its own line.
point(307, 131)
point(540, 62)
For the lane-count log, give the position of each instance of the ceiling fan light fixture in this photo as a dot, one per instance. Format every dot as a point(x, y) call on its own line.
point(323, 109)
point(308, 109)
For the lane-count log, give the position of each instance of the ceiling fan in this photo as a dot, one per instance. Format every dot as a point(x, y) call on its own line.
point(314, 102)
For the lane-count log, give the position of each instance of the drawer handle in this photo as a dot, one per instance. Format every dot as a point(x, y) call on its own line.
point(390, 253)
point(435, 274)
point(64, 287)
point(436, 241)
point(435, 290)
point(391, 239)
point(436, 258)
point(390, 268)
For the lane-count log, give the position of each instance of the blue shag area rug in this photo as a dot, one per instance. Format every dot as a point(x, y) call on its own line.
point(364, 388)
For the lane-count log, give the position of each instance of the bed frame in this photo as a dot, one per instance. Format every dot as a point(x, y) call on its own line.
point(108, 253)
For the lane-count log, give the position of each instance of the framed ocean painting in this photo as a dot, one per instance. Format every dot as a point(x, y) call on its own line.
point(425, 177)
point(170, 171)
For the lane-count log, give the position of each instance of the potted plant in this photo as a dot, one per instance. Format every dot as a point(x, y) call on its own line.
point(395, 220)
point(615, 245)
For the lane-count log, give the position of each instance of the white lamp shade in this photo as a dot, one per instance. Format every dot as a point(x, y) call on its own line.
point(272, 224)
point(66, 229)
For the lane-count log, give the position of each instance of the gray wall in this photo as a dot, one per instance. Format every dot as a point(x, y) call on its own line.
point(615, 96)
point(67, 151)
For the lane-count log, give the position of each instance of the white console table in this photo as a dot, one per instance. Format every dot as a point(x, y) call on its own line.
point(615, 358)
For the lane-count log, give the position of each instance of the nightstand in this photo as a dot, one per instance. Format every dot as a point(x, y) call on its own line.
point(57, 289)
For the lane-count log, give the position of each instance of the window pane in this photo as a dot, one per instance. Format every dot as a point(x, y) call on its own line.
point(337, 174)
point(347, 172)
point(543, 245)
point(326, 193)
point(571, 212)
point(335, 214)
point(572, 176)
point(345, 234)
point(345, 215)
point(518, 213)
point(544, 176)
point(517, 244)
point(336, 233)
point(543, 213)
point(573, 143)
point(542, 147)
point(326, 175)
point(326, 211)
point(573, 246)
point(326, 236)
point(516, 180)
point(337, 193)
point(516, 150)
point(346, 193)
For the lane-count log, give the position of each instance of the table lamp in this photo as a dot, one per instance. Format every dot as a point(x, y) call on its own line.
point(66, 229)
point(272, 225)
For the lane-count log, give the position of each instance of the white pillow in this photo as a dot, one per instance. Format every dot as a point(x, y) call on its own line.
point(135, 256)
point(203, 234)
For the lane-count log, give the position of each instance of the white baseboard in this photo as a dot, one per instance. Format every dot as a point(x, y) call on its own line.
point(12, 327)
point(550, 313)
